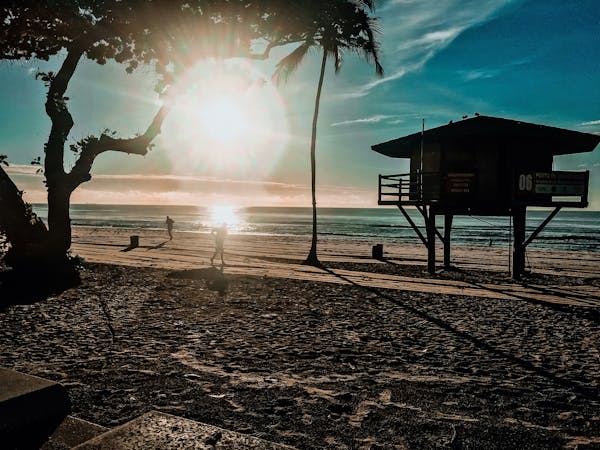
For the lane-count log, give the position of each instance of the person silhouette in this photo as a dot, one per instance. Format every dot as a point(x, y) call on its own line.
point(169, 222)
point(219, 233)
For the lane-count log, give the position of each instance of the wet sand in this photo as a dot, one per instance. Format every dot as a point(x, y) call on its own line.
point(363, 354)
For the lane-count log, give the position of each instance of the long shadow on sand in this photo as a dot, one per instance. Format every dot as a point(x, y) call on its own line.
point(590, 299)
point(589, 311)
point(575, 386)
point(157, 246)
point(215, 278)
point(147, 247)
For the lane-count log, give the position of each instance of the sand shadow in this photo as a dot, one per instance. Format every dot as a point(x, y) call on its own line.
point(129, 248)
point(157, 246)
point(588, 312)
point(28, 287)
point(590, 299)
point(572, 385)
point(215, 278)
point(272, 259)
point(147, 247)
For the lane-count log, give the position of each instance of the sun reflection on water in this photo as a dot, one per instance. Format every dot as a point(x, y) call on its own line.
point(224, 215)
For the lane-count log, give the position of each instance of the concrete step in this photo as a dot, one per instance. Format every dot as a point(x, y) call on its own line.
point(156, 430)
point(71, 432)
point(30, 409)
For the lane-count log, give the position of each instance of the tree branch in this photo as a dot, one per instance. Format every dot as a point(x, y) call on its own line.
point(270, 46)
point(137, 145)
point(264, 55)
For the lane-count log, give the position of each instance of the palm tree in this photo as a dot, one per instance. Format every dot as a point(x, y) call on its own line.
point(340, 25)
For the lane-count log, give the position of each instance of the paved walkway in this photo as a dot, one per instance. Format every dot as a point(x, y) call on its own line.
point(281, 257)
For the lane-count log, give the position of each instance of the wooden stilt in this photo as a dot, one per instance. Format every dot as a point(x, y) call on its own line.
point(446, 240)
point(430, 225)
point(413, 225)
point(539, 229)
point(519, 242)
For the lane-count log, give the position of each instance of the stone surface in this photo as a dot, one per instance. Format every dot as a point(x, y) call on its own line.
point(30, 409)
point(164, 431)
point(71, 432)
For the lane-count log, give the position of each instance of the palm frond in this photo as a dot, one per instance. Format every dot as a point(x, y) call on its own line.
point(370, 4)
point(287, 65)
point(370, 49)
point(338, 57)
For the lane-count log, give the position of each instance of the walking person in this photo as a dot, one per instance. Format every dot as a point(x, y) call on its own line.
point(169, 222)
point(219, 234)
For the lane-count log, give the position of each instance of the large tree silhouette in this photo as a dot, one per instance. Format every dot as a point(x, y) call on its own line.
point(340, 26)
point(169, 35)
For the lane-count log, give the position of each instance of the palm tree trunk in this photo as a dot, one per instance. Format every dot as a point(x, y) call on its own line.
point(312, 258)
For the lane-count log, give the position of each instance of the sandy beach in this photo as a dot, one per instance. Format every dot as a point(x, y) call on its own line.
point(360, 354)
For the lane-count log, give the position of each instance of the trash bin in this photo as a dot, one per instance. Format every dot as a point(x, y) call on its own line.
point(377, 252)
point(134, 241)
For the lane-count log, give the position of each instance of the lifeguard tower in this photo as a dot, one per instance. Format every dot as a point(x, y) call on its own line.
point(484, 166)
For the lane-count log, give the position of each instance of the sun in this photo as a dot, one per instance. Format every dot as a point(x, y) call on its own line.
point(227, 122)
point(223, 119)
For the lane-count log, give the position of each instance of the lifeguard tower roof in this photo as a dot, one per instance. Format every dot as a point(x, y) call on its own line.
point(540, 138)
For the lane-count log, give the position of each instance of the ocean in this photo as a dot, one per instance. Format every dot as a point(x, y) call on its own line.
point(569, 230)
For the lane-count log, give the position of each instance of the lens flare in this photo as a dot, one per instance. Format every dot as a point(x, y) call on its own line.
point(227, 121)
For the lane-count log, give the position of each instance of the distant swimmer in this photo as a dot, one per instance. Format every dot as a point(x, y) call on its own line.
point(219, 234)
point(169, 222)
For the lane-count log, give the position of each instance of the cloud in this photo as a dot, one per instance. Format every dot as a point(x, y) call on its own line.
point(373, 119)
point(590, 123)
point(366, 88)
point(155, 189)
point(21, 169)
point(489, 72)
point(481, 74)
point(415, 31)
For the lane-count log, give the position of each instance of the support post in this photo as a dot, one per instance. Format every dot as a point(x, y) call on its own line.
point(446, 240)
point(542, 225)
point(413, 225)
point(584, 197)
point(518, 242)
point(430, 225)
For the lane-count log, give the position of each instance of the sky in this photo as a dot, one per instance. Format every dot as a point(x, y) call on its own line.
point(235, 140)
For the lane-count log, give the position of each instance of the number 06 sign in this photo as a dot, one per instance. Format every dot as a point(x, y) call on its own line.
point(553, 183)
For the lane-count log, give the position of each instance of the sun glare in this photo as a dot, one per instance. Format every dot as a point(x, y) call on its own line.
point(227, 121)
point(224, 215)
point(223, 119)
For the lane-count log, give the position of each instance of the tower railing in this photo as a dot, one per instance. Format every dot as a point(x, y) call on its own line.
point(407, 188)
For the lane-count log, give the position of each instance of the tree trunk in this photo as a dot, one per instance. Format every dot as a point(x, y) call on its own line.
point(312, 258)
point(59, 186)
point(59, 221)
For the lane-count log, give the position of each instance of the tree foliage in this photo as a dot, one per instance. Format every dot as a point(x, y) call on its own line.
point(169, 34)
point(337, 27)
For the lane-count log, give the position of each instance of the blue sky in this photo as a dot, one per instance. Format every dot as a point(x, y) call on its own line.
point(536, 60)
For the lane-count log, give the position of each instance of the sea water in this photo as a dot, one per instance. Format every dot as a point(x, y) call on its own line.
point(569, 230)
